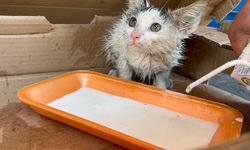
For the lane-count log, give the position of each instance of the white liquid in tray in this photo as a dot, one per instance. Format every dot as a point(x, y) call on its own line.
point(152, 124)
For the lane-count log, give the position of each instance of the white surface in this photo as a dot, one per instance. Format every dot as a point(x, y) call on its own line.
point(149, 123)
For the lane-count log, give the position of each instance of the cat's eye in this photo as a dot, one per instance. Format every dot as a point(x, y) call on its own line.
point(155, 27)
point(132, 22)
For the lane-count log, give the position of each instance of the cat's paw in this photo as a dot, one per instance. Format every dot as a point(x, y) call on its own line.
point(169, 84)
point(113, 72)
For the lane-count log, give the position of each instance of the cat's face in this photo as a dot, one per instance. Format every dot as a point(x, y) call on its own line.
point(147, 25)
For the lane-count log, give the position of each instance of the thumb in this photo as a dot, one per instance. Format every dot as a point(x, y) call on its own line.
point(239, 42)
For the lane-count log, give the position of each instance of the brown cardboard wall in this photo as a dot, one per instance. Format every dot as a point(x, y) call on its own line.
point(63, 11)
point(102, 4)
point(66, 47)
point(70, 11)
point(184, 3)
point(170, 4)
point(57, 15)
point(202, 56)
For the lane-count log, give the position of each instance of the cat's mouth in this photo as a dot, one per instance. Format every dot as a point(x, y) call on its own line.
point(136, 44)
point(146, 48)
point(141, 45)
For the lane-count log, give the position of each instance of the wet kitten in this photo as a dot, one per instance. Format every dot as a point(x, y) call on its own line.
point(148, 42)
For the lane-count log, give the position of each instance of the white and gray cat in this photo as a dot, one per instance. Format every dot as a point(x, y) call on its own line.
point(148, 42)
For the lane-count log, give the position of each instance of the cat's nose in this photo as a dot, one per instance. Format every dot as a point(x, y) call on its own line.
point(135, 36)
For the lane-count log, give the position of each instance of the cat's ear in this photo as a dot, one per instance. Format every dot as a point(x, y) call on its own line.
point(133, 4)
point(187, 19)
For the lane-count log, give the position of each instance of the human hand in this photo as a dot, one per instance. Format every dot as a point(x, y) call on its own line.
point(239, 31)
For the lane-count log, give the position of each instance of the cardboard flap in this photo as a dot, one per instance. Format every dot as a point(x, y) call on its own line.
point(16, 25)
point(100, 20)
point(213, 35)
point(66, 47)
point(224, 8)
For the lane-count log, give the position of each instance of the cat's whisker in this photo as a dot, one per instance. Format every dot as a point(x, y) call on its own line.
point(164, 5)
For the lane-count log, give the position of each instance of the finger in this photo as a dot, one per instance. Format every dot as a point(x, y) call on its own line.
point(239, 42)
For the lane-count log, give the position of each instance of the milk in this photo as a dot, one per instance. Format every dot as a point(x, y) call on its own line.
point(152, 124)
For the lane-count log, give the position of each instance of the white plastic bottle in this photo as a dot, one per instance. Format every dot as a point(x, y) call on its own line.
point(242, 73)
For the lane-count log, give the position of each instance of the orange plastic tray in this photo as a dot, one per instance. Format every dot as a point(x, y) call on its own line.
point(39, 94)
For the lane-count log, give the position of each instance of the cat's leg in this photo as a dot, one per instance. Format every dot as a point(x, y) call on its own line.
point(124, 70)
point(162, 80)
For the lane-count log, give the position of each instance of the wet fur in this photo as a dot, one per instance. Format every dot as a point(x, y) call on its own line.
point(152, 59)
